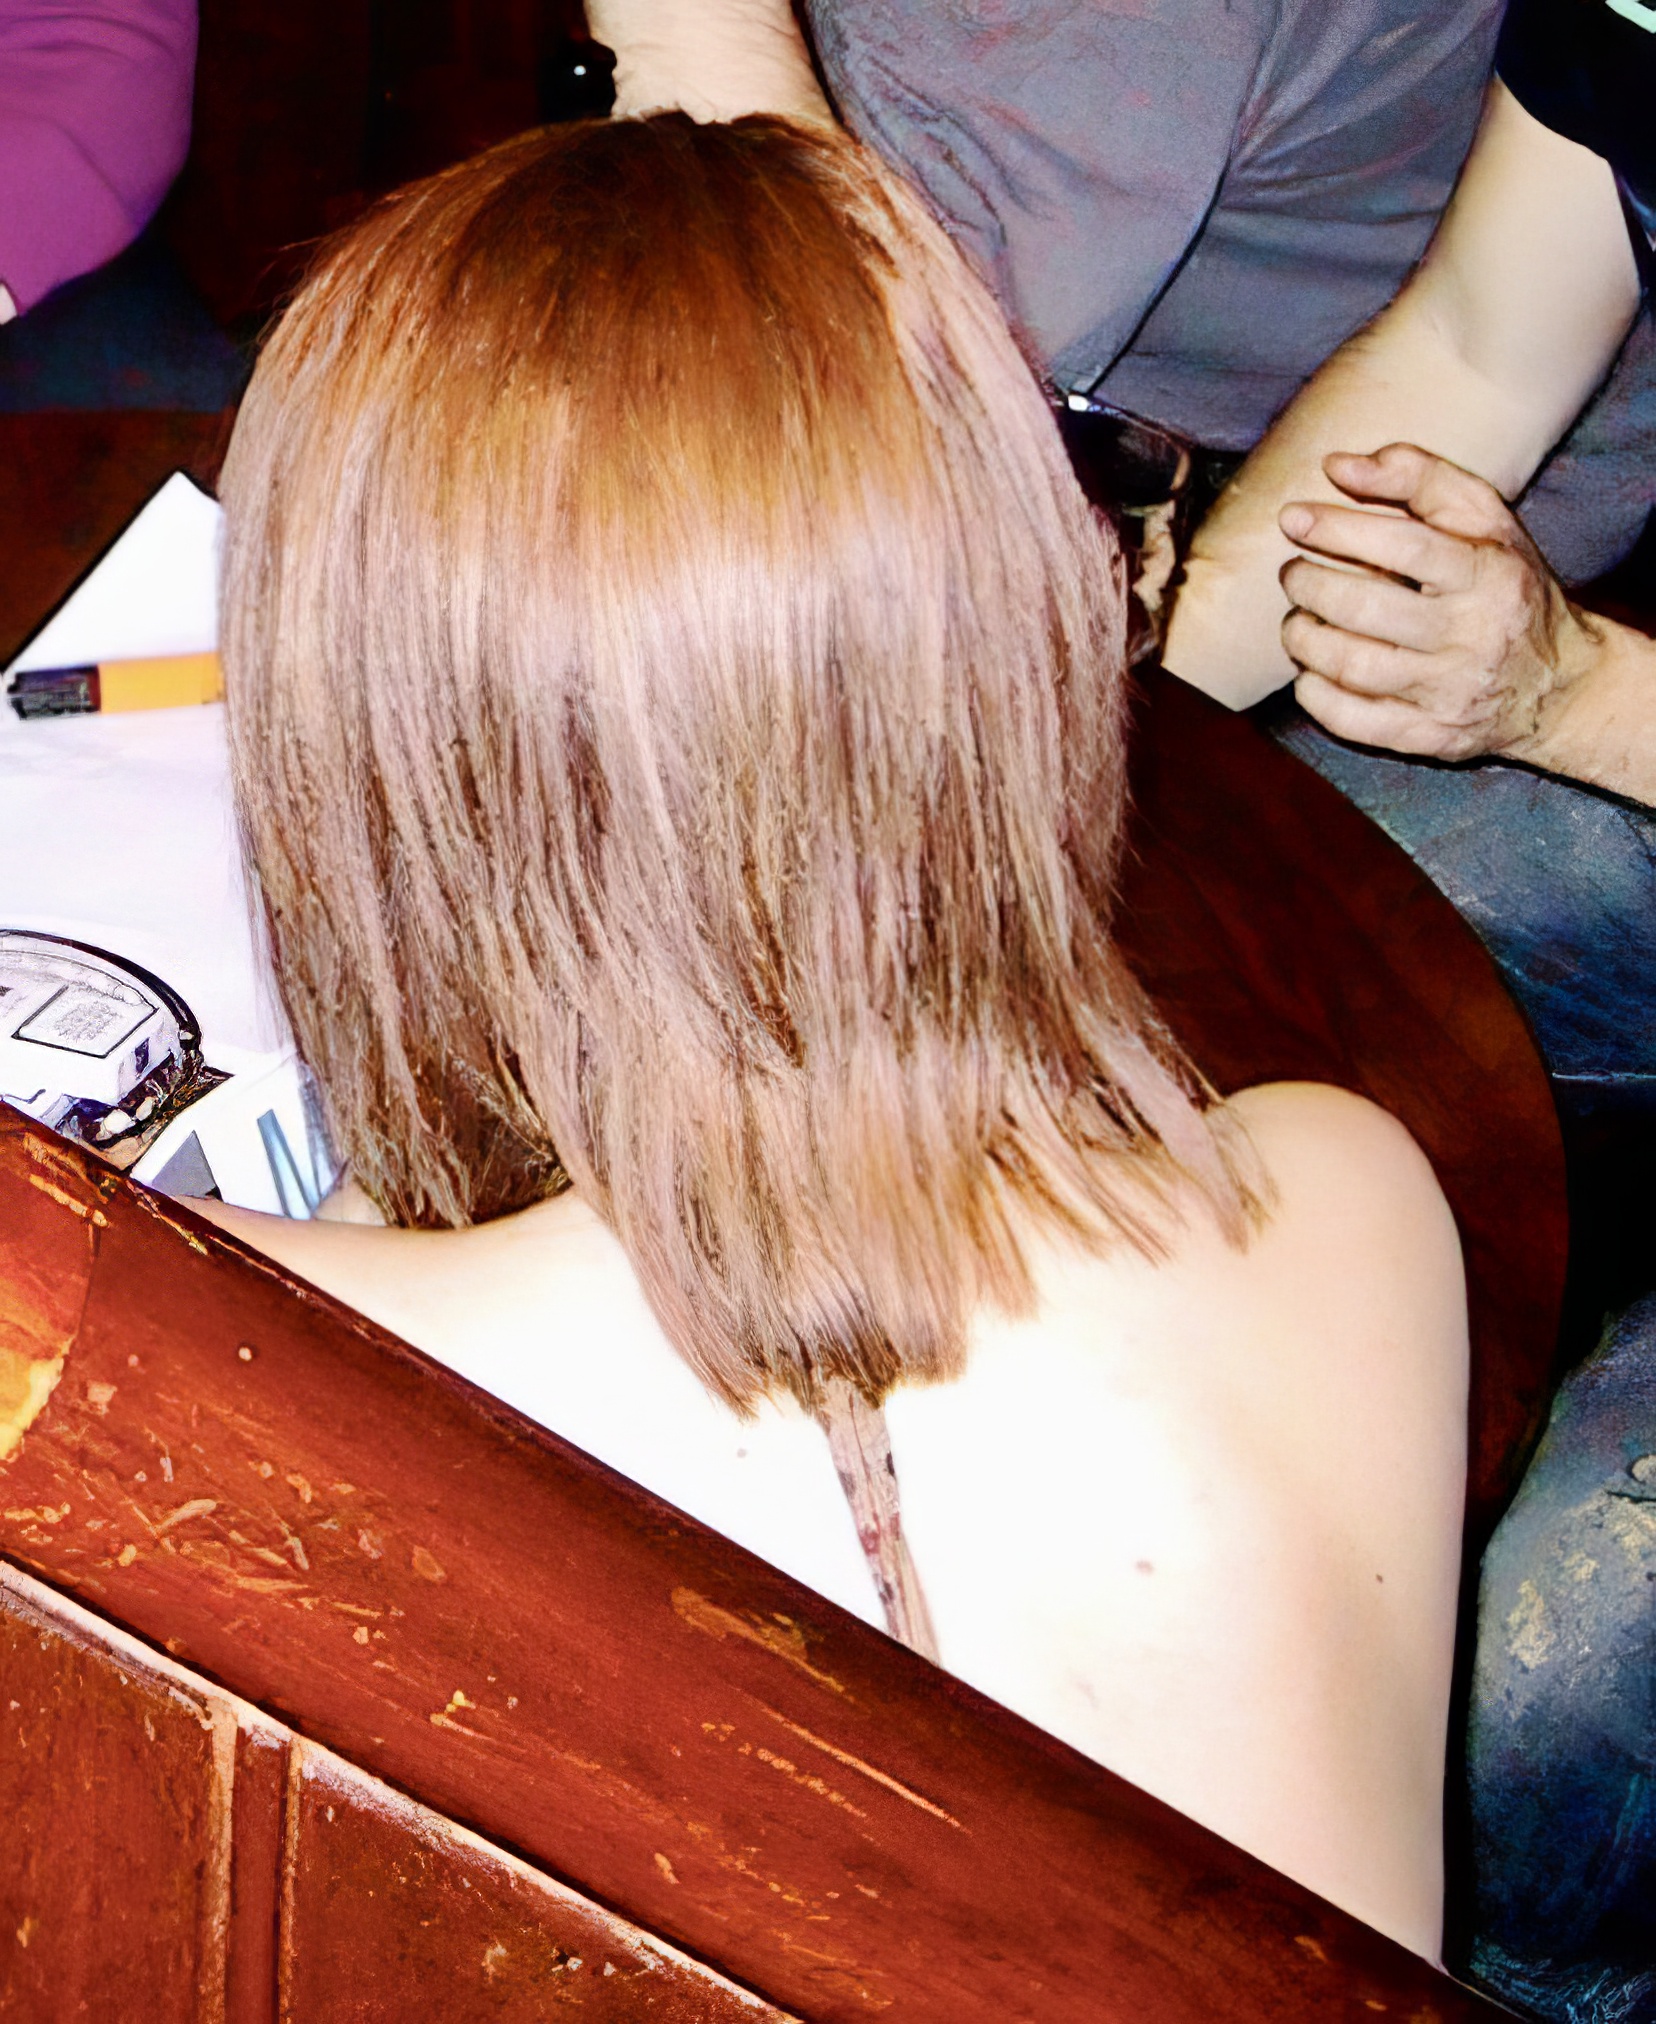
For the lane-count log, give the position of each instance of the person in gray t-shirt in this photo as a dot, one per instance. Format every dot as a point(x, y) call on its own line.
point(1186, 204)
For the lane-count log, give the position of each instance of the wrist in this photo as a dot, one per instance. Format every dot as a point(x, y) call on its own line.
point(1538, 725)
point(1224, 631)
point(1596, 721)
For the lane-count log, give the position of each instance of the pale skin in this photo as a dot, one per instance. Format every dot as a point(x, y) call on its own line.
point(1200, 1518)
point(1421, 617)
point(714, 59)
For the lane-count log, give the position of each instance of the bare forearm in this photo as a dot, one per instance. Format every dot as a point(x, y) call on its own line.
point(1484, 359)
point(1399, 381)
point(714, 59)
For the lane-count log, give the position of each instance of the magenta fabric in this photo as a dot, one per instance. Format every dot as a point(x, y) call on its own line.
point(94, 125)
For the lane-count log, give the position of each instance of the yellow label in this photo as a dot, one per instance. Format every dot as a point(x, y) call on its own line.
point(160, 684)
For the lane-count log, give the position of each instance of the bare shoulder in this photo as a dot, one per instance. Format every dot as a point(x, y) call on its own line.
point(1348, 1306)
point(1316, 1115)
point(374, 1269)
point(279, 1237)
point(1357, 1276)
point(1343, 1166)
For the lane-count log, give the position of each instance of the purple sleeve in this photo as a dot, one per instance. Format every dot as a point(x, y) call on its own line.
point(94, 125)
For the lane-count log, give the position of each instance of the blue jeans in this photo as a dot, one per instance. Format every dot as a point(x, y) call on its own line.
point(1559, 883)
point(1561, 1742)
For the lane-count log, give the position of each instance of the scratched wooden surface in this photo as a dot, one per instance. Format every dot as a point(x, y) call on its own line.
point(387, 1902)
point(170, 1853)
point(403, 1570)
point(112, 1877)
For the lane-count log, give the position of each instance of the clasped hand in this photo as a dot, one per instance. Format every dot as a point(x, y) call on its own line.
point(1451, 638)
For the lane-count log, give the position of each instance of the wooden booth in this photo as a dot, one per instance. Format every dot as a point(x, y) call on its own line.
point(332, 1688)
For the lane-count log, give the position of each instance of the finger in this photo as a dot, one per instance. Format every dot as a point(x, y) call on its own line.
point(1386, 721)
point(1433, 490)
point(1443, 562)
point(1370, 667)
point(1371, 605)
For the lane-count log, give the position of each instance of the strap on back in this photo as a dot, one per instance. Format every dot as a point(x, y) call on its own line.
point(861, 1447)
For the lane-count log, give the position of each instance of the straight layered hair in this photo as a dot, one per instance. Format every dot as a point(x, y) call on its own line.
point(676, 698)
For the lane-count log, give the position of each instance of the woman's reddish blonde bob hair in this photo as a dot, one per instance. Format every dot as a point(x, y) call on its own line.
point(676, 698)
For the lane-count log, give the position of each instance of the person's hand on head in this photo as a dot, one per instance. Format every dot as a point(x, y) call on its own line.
point(1451, 638)
point(714, 59)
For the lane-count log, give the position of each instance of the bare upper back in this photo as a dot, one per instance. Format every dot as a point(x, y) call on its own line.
point(1200, 1518)
point(1203, 1519)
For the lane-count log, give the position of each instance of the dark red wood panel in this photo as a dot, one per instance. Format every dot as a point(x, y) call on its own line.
point(283, 121)
point(555, 1658)
point(387, 1903)
point(256, 1858)
point(306, 108)
point(259, 1876)
point(1284, 935)
point(114, 1842)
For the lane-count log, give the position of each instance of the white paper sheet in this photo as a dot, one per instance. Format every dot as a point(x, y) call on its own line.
point(119, 831)
point(154, 592)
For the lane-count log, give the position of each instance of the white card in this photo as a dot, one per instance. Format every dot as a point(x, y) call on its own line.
point(154, 592)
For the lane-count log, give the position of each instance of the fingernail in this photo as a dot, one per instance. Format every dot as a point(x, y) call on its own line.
point(1296, 521)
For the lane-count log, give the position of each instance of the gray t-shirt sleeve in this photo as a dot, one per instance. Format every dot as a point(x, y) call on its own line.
point(1185, 203)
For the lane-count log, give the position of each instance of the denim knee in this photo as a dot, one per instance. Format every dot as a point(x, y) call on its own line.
point(1562, 1735)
